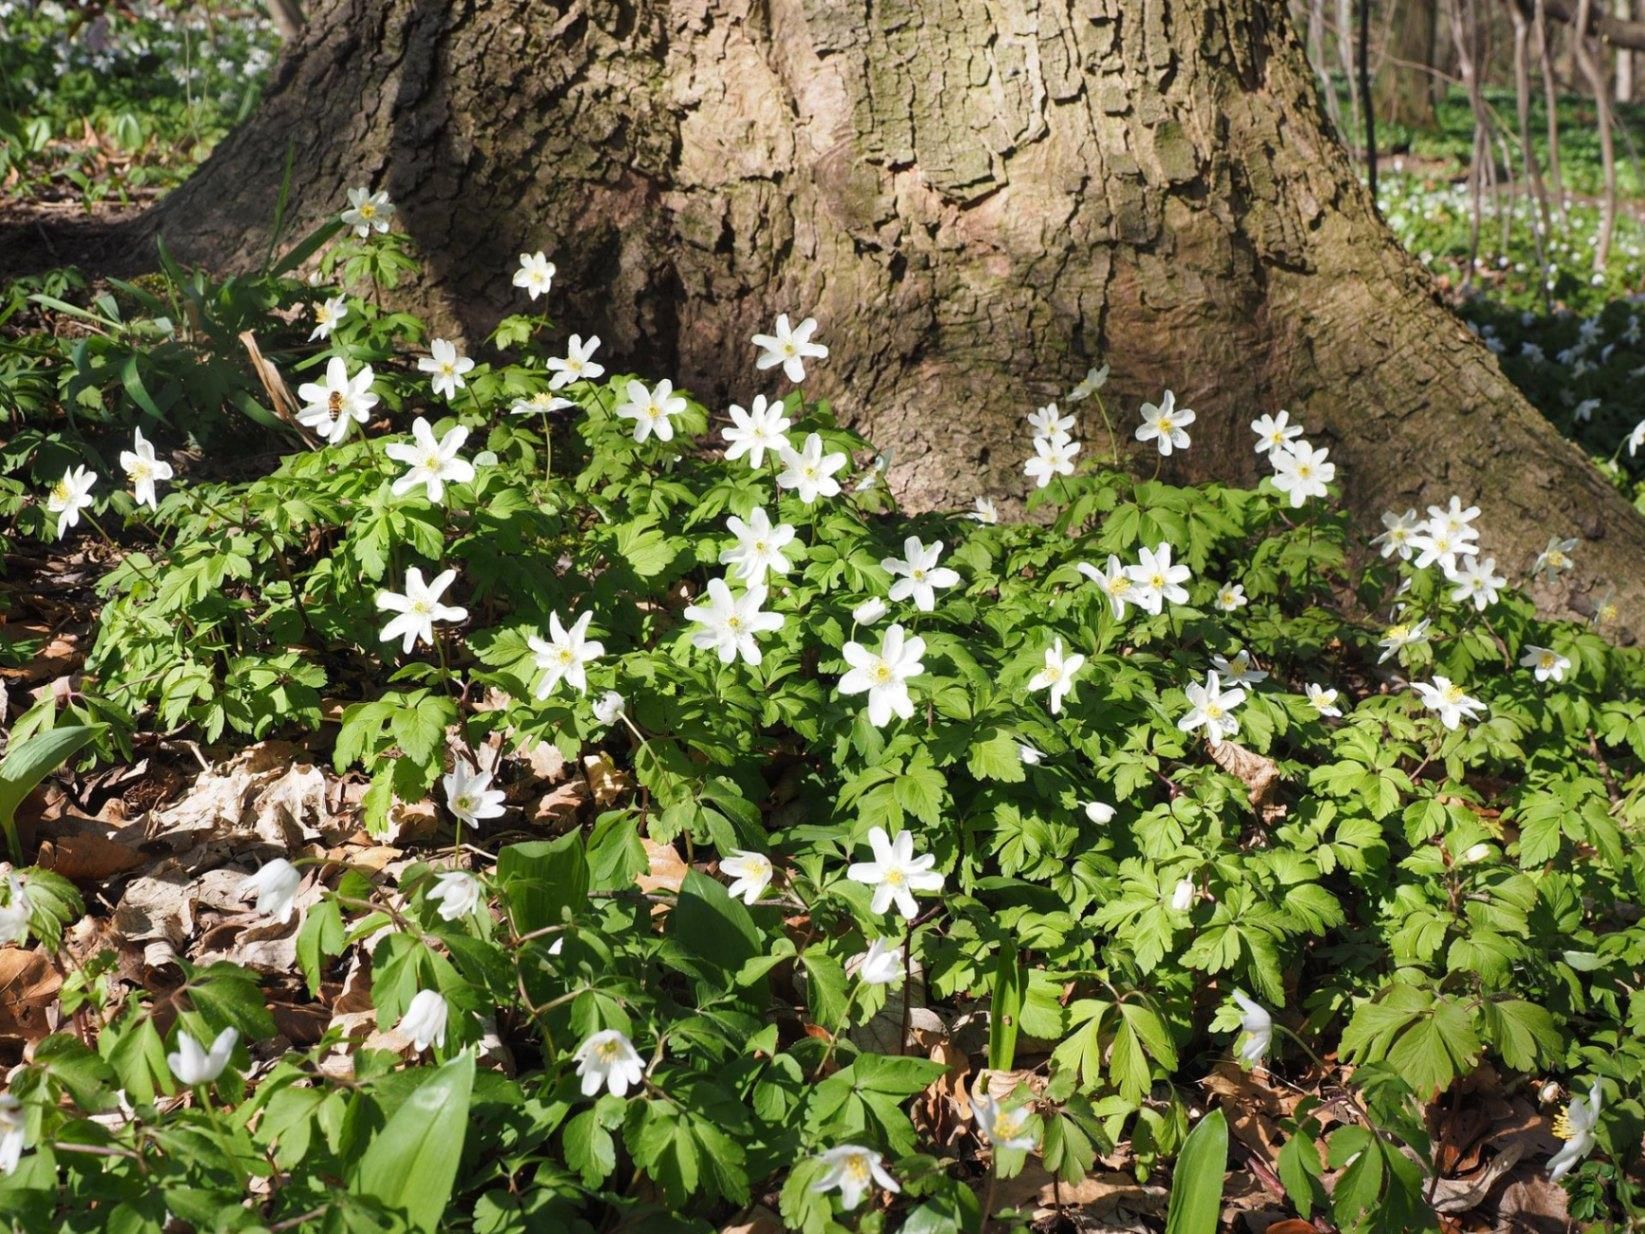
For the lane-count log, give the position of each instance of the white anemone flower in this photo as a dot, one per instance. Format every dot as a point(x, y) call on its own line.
point(327, 314)
point(469, 794)
point(566, 654)
point(1450, 700)
point(652, 410)
point(881, 964)
point(69, 496)
point(1002, 1126)
point(144, 470)
point(1057, 675)
point(918, 575)
point(884, 674)
point(764, 426)
point(458, 894)
point(1256, 1030)
point(810, 472)
point(751, 871)
point(1157, 581)
point(789, 346)
point(1212, 709)
point(333, 406)
point(730, 625)
point(446, 367)
point(1546, 663)
point(1165, 424)
point(1053, 456)
point(536, 273)
point(193, 1064)
point(367, 211)
point(759, 548)
point(424, 1021)
point(896, 873)
point(275, 886)
point(853, 1172)
point(1575, 1125)
point(1114, 581)
point(609, 1060)
point(576, 365)
point(430, 463)
point(418, 609)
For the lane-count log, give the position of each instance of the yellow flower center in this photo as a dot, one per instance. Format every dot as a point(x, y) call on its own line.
point(609, 1051)
point(1562, 1124)
point(895, 877)
point(367, 210)
point(1007, 1125)
point(1453, 693)
point(856, 1166)
point(882, 672)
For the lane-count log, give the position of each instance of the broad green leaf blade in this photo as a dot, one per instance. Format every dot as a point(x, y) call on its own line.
point(1196, 1184)
point(412, 1163)
point(31, 760)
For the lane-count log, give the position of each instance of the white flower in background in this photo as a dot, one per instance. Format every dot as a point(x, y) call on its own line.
point(852, 1171)
point(1401, 530)
point(1182, 895)
point(419, 608)
point(275, 886)
point(13, 1132)
point(1584, 411)
point(876, 473)
point(1029, 756)
point(69, 496)
point(895, 874)
point(576, 365)
point(1047, 421)
point(425, 1020)
point(870, 611)
point(1477, 581)
point(1545, 662)
point(1455, 519)
point(730, 624)
point(609, 707)
point(1000, 1126)
point(431, 463)
point(1051, 458)
point(446, 366)
point(759, 548)
point(1302, 471)
point(752, 872)
point(143, 469)
point(331, 407)
point(1099, 812)
point(1239, 671)
point(1449, 699)
point(884, 674)
point(1115, 582)
point(327, 314)
point(810, 472)
point(539, 404)
point(367, 211)
point(1094, 380)
point(1553, 560)
point(881, 964)
point(1231, 597)
point(1323, 700)
point(566, 654)
point(457, 892)
point(790, 347)
point(1273, 432)
point(536, 273)
point(14, 914)
point(1157, 581)
point(609, 1060)
point(1400, 636)
point(764, 426)
point(1575, 1125)
point(469, 794)
point(1164, 425)
point(1442, 548)
point(984, 511)
point(1256, 1031)
point(193, 1064)
point(1057, 675)
point(1636, 438)
point(920, 575)
point(1211, 709)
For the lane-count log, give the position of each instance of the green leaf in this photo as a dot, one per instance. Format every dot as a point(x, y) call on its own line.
point(411, 1164)
point(31, 760)
point(1196, 1181)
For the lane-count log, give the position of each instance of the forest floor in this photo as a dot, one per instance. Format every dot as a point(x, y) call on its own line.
point(117, 117)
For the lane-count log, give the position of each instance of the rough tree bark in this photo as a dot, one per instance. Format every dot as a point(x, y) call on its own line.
point(1406, 85)
point(976, 198)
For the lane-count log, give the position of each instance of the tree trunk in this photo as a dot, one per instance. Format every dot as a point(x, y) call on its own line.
point(977, 199)
point(1406, 89)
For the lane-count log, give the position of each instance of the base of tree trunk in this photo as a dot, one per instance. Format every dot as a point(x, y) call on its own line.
point(977, 201)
